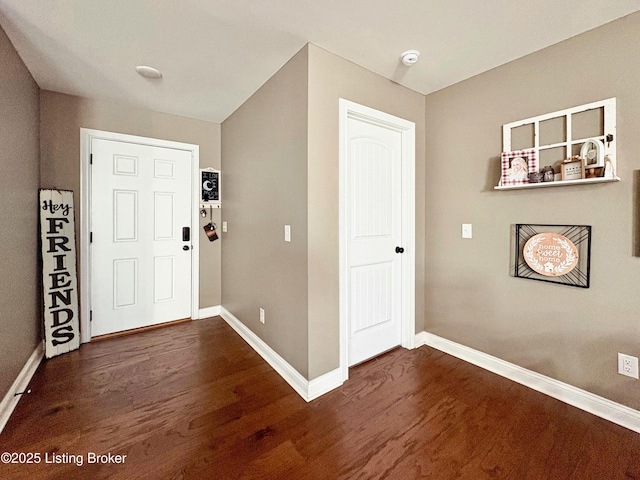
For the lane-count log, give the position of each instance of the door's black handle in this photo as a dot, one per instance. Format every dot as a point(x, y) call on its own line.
point(186, 234)
point(399, 250)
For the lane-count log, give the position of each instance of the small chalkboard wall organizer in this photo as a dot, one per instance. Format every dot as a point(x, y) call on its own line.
point(553, 253)
point(210, 188)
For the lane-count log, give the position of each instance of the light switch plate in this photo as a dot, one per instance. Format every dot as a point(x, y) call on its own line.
point(224, 226)
point(287, 233)
point(467, 230)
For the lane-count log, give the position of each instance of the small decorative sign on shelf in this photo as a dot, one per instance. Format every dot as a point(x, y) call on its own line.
point(553, 253)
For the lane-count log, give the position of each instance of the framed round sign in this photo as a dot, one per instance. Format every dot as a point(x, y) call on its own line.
point(550, 254)
point(553, 253)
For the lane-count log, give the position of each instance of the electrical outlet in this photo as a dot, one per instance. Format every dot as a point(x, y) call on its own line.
point(262, 315)
point(627, 365)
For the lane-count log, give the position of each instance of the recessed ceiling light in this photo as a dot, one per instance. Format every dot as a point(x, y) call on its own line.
point(148, 72)
point(409, 57)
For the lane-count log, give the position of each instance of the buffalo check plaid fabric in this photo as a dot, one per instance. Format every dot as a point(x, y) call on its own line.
point(509, 174)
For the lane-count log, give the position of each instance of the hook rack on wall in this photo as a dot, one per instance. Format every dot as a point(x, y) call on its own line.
point(210, 205)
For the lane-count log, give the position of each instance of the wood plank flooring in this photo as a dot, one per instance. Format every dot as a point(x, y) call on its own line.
point(193, 401)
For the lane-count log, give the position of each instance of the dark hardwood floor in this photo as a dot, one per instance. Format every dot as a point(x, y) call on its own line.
point(193, 401)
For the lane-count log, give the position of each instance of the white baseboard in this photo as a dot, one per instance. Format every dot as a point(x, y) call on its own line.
point(307, 389)
point(324, 383)
point(10, 400)
point(208, 312)
point(587, 401)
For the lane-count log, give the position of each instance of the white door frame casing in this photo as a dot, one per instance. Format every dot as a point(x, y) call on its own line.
point(406, 128)
point(86, 136)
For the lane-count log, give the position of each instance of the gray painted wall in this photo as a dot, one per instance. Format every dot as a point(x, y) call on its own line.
point(280, 152)
point(567, 333)
point(264, 147)
point(20, 326)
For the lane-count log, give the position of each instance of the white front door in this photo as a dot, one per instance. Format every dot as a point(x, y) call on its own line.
point(374, 238)
point(140, 264)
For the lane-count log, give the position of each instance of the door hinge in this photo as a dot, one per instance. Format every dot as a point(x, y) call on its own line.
point(90, 315)
point(90, 237)
point(91, 159)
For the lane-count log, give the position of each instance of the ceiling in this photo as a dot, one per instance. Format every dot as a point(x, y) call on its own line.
point(215, 54)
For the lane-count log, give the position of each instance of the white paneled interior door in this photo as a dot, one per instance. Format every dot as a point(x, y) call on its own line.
point(374, 230)
point(140, 265)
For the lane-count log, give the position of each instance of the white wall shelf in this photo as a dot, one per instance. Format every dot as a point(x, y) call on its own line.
point(601, 128)
point(559, 183)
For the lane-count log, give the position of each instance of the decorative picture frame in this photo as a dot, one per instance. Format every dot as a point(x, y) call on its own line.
point(517, 165)
point(572, 170)
point(553, 253)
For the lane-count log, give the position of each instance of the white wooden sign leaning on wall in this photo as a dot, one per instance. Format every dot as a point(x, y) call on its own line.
point(59, 282)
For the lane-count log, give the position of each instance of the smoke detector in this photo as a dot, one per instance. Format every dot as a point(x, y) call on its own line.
point(148, 72)
point(409, 57)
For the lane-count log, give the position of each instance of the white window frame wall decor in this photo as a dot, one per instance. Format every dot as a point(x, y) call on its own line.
point(608, 139)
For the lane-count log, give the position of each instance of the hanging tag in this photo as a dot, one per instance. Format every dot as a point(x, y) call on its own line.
point(210, 230)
